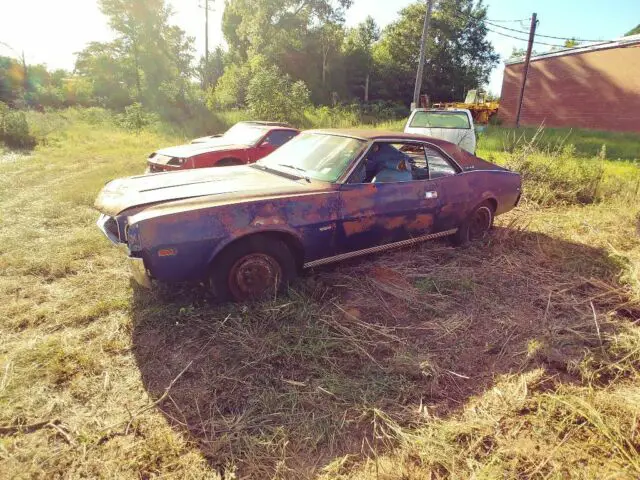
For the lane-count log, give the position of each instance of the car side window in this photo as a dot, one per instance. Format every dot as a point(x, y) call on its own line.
point(278, 138)
point(391, 162)
point(438, 165)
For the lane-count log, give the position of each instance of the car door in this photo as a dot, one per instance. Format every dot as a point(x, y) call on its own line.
point(452, 187)
point(374, 214)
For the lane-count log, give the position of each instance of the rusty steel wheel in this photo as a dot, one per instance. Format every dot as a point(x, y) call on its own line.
point(476, 226)
point(252, 268)
point(480, 223)
point(254, 276)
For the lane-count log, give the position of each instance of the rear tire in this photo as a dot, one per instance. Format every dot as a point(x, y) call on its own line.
point(251, 269)
point(476, 226)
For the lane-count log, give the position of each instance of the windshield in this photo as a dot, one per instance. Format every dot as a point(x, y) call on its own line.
point(315, 155)
point(244, 134)
point(440, 120)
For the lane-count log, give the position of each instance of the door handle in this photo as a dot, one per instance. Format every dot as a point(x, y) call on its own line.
point(432, 194)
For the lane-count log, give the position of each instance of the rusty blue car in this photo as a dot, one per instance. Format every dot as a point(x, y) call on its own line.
point(326, 196)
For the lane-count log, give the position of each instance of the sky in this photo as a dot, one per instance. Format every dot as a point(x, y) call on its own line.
point(52, 32)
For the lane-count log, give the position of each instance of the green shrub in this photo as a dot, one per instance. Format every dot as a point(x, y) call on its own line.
point(273, 96)
point(135, 118)
point(15, 131)
point(231, 89)
point(96, 115)
point(4, 109)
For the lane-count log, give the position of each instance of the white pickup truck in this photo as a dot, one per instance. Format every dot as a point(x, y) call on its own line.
point(453, 125)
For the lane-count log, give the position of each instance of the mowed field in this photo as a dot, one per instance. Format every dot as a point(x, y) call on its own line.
point(513, 358)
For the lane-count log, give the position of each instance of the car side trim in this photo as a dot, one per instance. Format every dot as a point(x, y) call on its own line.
point(380, 248)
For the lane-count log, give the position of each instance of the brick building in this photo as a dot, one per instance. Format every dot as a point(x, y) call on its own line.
point(595, 87)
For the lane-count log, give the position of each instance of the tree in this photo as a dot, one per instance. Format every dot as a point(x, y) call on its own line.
point(520, 53)
point(211, 71)
point(11, 81)
point(266, 26)
point(149, 61)
point(359, 60)
point(633, 31)
point(458, 57)
point(301, 37)
point(272, 94)
point(231, 89)
point(331, 37)
point(571, 43)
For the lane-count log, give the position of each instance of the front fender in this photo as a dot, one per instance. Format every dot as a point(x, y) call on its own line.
point(271, 229)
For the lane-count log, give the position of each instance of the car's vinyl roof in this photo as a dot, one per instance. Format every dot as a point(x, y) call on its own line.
point(460, 156)
point(375, 134)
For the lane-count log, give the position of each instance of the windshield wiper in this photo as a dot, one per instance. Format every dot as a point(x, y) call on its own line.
point(293, 167)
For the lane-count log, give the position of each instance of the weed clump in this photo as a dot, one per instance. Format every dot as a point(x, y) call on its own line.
point(14, 130)
point(556, 176)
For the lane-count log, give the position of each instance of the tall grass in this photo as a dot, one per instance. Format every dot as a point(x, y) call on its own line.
point(517, 357)
point(587, 143)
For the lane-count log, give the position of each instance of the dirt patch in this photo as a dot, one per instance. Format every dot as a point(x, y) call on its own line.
point(13, 157)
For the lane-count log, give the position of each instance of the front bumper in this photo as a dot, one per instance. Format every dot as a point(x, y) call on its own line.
point(136, 265)
point(139, 272)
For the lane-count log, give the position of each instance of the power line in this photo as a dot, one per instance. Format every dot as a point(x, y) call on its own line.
point(525, 40)
point(468, 16)
point(509, 21)
point(546, 36)
point(491, 22)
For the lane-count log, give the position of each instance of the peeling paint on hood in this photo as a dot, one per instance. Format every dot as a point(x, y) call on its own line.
point(222, 184)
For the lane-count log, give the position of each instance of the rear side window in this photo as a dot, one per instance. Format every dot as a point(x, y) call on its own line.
point(442, 119)
point(439, 166)
point(280, 137)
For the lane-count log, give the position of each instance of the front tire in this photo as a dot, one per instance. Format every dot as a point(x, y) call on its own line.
point(252, 269)
point(476, 226)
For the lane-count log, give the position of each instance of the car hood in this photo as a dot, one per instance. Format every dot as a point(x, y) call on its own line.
point(206, 139)
point(228, 184)
point(191, 149)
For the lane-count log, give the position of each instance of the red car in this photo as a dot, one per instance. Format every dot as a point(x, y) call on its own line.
point(243, 143)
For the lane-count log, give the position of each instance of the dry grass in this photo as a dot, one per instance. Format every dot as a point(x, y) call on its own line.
point(516, 358)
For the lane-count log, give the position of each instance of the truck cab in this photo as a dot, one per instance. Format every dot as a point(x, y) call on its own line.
point(453, 125)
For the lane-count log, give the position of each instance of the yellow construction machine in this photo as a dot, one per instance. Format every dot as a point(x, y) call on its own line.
point(476, 102)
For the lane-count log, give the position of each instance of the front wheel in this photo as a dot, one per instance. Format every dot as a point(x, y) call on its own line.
point(251, 269)
point(476, 226)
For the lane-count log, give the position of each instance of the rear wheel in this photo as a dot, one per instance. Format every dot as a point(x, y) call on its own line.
point(476, 226)
point(254, 268)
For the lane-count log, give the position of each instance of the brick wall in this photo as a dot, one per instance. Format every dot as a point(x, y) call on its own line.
point(598, 90)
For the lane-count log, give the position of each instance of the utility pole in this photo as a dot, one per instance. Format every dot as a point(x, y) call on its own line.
point(423, 51)
point(527, 60)
point(206, 39)
point(206, 32)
